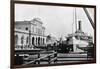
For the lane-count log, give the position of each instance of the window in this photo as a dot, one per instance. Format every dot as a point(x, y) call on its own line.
point(22, 40)
point(27, 40)
point(32, 40)
point(43, 40)
point(38, 40)
point(16, 39)
point(26, 28)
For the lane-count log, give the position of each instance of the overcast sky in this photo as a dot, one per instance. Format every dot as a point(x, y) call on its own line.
point(57, 20)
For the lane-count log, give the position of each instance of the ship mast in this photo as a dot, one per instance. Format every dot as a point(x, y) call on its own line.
point(75, 19)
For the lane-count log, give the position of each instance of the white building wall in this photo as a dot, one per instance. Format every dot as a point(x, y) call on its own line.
point(20, 34)
point(34, 30)
point(23, 26)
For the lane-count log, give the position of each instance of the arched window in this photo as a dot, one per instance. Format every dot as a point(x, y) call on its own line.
point(43, 40)
point(32, 40)
point(22, 40)
point(38, 40)
point(16, 39)
point(27, 40)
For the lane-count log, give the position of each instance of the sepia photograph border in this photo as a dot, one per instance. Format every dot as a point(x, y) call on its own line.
point(12, 17)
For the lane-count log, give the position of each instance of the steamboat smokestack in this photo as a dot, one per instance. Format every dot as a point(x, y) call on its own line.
point(79, 23)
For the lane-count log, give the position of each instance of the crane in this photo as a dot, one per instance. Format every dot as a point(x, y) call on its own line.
point(89, 17)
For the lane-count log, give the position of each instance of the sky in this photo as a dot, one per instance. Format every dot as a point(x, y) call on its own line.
point(58, 21)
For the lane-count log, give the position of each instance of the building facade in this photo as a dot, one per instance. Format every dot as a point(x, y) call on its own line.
point(29, 34)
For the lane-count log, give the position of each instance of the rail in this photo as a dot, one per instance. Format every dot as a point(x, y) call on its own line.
point(51, 57)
